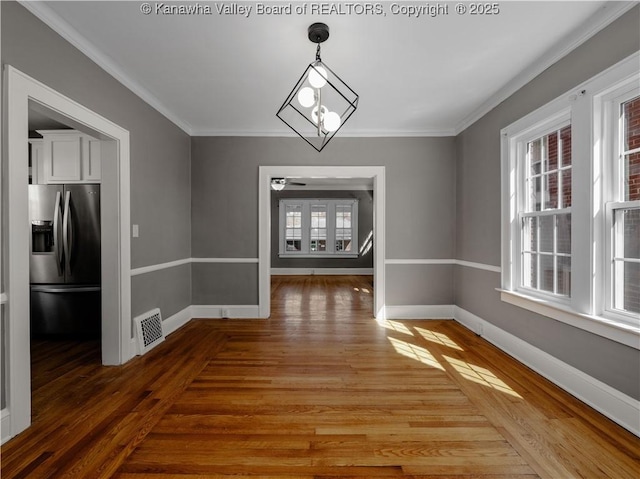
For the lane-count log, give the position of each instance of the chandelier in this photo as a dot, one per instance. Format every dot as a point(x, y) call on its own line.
point(320, 103)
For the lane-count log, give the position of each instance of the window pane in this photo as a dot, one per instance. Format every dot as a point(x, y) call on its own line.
point(548, 175)
point(534, 195)
point(343, 228)
point(631, 110)
point(566, 189)
point(631, 142)
point(294, 212)
point(530, 234)
point(550, 184)
point(530, 270)
point(632, 177)
point(631, 287)
point(534, 153)
point(563, 240)
point(318, 234)
point(565, 139)
point(546, 273)
point(563, 276)
point(293, 229)
point(318, 216)
point(626, 274)
point(294, 245)
point(318, 245)
point(631, 228)
point(546, 233)
point(627, 286)
point(552, 152)
point(343, 245)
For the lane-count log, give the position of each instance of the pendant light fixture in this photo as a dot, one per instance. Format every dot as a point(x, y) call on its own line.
point(320, 103)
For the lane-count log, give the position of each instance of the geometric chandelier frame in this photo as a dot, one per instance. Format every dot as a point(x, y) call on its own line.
point(320, 102)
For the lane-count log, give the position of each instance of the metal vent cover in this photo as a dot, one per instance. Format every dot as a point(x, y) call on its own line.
point(149, 330)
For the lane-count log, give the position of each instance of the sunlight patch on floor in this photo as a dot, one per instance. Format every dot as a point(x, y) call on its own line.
point(438, 338)
point(362, 290)
point(395, 326)
point(480, 375)
point(415, 352)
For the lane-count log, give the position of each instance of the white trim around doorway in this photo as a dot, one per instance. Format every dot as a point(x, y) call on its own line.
point(20, 90)
point(377, 173)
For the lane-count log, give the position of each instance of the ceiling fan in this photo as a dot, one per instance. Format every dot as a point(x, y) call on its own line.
point(278, 184)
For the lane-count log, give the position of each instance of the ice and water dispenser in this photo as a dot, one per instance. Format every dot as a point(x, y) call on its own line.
point(42, 236)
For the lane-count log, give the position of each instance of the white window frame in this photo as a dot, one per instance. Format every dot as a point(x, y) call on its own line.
point(307, 204)
point(587, 308)
point(557, 122)
point(609, 107)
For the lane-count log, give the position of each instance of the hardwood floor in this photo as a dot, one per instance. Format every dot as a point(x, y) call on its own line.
point(321, 390)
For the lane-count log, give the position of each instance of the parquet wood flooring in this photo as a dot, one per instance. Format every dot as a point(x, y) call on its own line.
point(320, 390)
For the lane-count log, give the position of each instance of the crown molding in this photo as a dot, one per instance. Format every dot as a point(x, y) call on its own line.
point(435, 132)
point(42, 11)
point(609, 12)
point(606, 15)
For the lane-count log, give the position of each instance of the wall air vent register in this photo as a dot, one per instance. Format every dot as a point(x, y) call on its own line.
point(149, 330)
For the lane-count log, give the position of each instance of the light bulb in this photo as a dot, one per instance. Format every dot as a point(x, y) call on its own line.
point(331, 121)
point(317, 76)
point(306, 97)
point(314, 113)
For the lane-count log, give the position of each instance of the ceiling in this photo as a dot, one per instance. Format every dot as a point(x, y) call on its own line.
point(227, 74)
point(40, 121)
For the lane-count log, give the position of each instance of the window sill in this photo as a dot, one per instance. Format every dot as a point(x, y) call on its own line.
point(626, 334)
point(326, 256)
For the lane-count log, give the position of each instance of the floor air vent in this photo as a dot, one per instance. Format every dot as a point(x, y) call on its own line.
point(149, 330)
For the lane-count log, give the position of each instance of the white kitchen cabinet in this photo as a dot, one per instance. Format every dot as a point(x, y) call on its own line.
point(91, 156)
point(36, 168)
point(70, 157)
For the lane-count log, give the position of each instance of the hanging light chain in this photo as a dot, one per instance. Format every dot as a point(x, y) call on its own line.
point(318, 53)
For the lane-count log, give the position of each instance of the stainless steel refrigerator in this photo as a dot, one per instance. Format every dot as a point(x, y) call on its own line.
point(65, 260)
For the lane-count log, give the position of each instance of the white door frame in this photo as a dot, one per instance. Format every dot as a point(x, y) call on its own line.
point(377, 173)
point(20, 89)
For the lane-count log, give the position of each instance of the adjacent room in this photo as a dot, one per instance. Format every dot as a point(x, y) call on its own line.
point(320, 239)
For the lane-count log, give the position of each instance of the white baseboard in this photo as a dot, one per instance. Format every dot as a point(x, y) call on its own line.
point(5, 426)
point(175, 322)
point(321, 271)
point(614, 404)
point(438, 311)
point(178, 320)
point(232, 312)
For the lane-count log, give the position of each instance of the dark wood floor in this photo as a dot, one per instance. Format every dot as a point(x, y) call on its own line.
point(321, 390)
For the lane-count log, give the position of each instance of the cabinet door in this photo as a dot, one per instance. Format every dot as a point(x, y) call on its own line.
point(62, 159)
point(90, 159)
point(37, 162)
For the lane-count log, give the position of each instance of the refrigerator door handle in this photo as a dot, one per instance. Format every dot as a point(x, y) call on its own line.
point(58, 289)
point(56, 231)
point(67, 231)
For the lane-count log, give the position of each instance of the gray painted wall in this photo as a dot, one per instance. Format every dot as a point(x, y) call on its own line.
point(420, 209)
point(365, 226)
point(160, 151)
point(198, 196)
point(478, 214)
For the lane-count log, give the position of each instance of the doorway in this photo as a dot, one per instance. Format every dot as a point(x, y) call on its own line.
point(21, 94)
point(375, 173)
point(64, 258)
